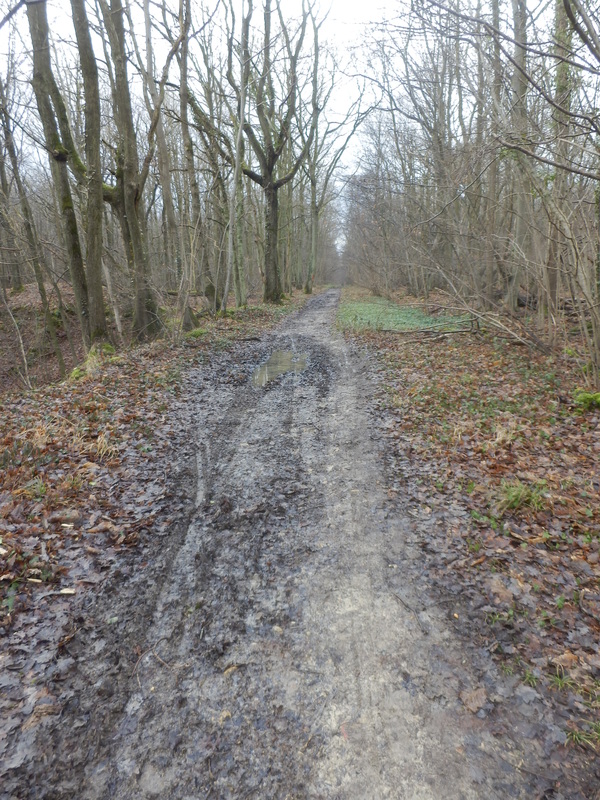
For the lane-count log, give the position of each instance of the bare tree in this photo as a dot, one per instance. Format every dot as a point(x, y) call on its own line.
point(269, 128)
point(241, 96)
point(93, 173)
point(36, 252)
point(52, 113)
point(127, 199)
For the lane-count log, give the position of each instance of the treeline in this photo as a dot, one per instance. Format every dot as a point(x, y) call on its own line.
point(152, 152)
point(480, 171)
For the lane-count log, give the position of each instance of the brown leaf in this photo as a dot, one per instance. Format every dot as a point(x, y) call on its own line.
point(473, 699)
point(102, 527)
point(567, 660)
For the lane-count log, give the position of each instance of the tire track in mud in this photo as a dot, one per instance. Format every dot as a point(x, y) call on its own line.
point(284, 650)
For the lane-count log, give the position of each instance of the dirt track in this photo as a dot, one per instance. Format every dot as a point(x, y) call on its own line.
point(281, 645)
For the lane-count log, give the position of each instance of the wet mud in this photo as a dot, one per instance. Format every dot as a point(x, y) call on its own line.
point(280, 642)
point(278, 363)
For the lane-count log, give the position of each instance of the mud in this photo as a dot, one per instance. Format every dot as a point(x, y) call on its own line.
point(278, 363)
point(282, 643)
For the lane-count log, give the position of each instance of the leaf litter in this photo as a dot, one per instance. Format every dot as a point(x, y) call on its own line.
point(118, 442)
point(500, 463)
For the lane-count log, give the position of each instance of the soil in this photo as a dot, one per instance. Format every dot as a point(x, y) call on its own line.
point(280, 640)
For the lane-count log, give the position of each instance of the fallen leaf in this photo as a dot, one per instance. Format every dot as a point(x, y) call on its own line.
point(473, 699)
point(567, 660)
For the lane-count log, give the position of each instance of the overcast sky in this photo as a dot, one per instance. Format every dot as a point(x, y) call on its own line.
point(348, 18)
point(345, 24)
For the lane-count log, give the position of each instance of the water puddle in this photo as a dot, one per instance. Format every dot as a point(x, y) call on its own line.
point(280, 361)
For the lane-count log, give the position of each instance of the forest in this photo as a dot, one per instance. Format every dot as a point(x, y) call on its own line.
point(299, 399)
point(163, 158)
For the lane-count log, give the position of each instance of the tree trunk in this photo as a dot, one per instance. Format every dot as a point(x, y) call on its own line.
point(314, 237)
point(13, 276)
point(562, 95)
point(492, 198)
point(240, 265)
point(43, 83)
point(89, 69)
point(190, 232)
point(163, 160)
point(233, 261)
point(272, 282)
point(130, 204)
point(519, 93)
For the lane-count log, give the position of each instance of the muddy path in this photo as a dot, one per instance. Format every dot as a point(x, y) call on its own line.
point(280, 643)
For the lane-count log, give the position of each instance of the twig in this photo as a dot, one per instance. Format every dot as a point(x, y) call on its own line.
point(160, 660)
point(435, 338)
point(412, 610)
point(145, 653)
point(585, 611)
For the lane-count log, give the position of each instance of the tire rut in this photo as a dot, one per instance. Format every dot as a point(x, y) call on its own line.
point(286, 651)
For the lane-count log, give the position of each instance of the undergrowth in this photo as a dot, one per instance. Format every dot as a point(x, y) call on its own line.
point(377, 313)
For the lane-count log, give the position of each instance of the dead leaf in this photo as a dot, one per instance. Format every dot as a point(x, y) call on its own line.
point(474, 699)
point(567, 660)
point(103, 527)
point(499, 591)
point(40, 711)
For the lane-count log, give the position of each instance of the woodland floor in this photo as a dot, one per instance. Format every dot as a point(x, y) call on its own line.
point(375, 578)
point(26, 309)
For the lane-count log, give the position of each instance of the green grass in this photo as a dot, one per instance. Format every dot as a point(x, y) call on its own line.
point(380, 314)
point(587, 400)
point(516, 495)
point(196, 333)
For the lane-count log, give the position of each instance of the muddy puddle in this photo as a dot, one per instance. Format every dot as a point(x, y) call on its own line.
point(280, 362)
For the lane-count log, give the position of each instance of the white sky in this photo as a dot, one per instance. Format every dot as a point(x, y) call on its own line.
point(348, 18)
point(345, 24)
